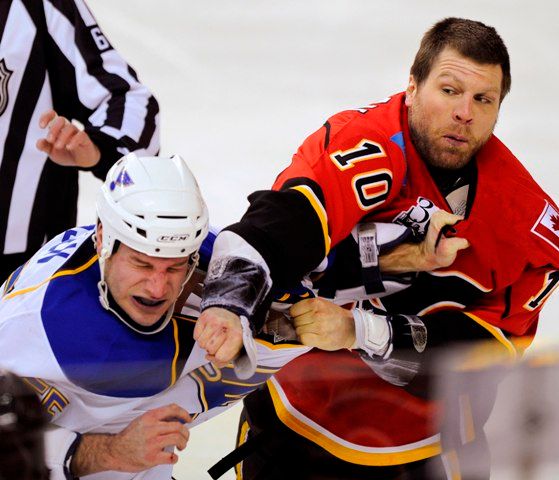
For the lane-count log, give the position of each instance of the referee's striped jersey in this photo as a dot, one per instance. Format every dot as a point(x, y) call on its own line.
point(53, 55)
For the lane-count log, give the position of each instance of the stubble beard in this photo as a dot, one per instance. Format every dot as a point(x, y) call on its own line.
point(446, 157)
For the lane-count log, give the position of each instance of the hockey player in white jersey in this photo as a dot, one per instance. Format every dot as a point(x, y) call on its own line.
point(89, 323)
point(87, 320)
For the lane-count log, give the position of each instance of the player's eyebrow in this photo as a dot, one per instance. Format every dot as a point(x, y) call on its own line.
point(448, 75)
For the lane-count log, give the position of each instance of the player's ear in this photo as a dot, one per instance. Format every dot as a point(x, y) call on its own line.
point(99, 237)
point(410, 91)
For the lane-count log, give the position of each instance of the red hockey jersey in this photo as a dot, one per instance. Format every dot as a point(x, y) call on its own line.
point(366, 166)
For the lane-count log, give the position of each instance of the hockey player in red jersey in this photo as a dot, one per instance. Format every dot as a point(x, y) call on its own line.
point(401, 160)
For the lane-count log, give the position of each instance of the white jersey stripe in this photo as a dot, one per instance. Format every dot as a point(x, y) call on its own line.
point(29, 171)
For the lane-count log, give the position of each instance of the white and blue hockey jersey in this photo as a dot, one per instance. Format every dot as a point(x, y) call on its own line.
point(93, 373)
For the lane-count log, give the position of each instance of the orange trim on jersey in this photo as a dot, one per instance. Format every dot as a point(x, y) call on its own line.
point(319, 209)
point(522, 343)
point(241, 439)
point(176, 356)
point(88, 264)
point(182, 316)
point(496, 332)
point(284, 297)
point(383, 456)
point(279, 346)
point(441, 306)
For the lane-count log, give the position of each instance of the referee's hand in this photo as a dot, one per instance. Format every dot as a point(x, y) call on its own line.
point(65, 143)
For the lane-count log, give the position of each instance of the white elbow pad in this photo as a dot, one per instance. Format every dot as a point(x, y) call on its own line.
point(373, 333)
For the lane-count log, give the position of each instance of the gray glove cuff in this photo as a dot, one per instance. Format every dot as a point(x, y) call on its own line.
point(238, 278)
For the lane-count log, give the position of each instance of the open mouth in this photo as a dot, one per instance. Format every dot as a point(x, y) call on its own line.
point(147, 302)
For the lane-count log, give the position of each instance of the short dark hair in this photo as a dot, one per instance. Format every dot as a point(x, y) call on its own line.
point(469, 38)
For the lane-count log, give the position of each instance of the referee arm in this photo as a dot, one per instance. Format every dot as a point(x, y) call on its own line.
point(118, 113)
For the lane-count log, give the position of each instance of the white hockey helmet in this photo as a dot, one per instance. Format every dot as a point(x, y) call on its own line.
point(154, 206)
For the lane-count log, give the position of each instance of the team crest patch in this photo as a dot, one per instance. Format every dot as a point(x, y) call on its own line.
point(122, 179)
point(547, 226)
point(5, 74)
point(417, 217)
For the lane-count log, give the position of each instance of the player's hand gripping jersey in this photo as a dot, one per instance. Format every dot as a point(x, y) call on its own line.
point(362, 164)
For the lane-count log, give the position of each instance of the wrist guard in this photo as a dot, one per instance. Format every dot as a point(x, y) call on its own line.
point(373, 333)
point(403, 360)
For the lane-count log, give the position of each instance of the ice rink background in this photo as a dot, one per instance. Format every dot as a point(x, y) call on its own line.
point(242, 83)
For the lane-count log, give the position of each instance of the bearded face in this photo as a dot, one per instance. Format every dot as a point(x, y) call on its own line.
point(454, 111)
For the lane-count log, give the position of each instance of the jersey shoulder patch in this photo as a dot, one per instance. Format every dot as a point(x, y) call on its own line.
point(547, 226)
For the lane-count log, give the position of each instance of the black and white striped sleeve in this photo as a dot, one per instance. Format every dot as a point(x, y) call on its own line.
point(118, 112)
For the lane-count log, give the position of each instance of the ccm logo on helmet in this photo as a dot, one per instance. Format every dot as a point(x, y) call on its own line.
point(173, 238)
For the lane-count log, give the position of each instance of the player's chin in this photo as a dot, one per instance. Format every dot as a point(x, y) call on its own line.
point(452, 159)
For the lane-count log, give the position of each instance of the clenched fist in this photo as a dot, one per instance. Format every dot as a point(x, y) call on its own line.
point(322, 324)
